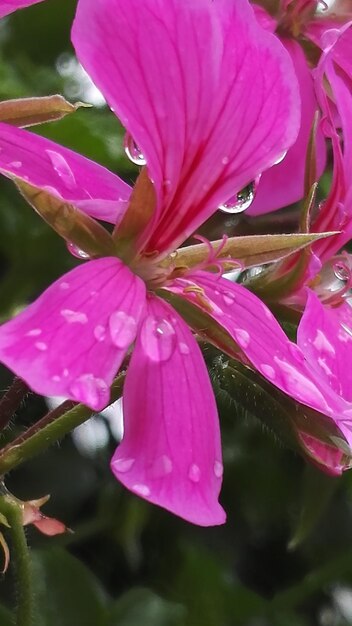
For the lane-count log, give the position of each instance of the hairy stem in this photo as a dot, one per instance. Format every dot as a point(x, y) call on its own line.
point(22, 562)
point(11, 401)
point(49, 429)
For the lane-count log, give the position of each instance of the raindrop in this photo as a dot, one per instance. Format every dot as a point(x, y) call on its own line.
point(267, 371)
point(194, 473)
point(123, 465)
point(123, 329)
point(183, 347)
point(158, 339)
point(141, 490)
point(64, 285)
point(341, 272)
point(281, 158)
point(99, 332)
point(161, 467)
point(91, 390)
point(16, 164)
point(40, 345)
point(132, 150)
point(242, 337)
point(218, 469)
point(34, 332)
point(76, 251)
point(62, 168)
point(242, 200)
point(228, 297)
point(74, 316)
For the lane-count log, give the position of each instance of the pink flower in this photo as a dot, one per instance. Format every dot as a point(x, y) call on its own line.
point(306, 28)
point(9, 6)
point(210, 100)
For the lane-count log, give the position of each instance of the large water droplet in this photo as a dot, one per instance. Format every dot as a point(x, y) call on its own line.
point(194, 473)
point(158, 339)
point(341, 272)
point(74, 316)
point(76, 251)
point(99, 332)
point(242, 337)
point(218, 469)
point(90, 390)
point(141, 490)
point(132, 150)
point(242, 200)
point(16, 164)
point(62, 168)
point(123, 329)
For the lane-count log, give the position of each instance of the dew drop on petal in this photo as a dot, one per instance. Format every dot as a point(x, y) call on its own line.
point(123, 465)
point(40, 345)
point(242, 200)
point(280, 158)
point(242, 337)
point(35, 332)
point(183, 348)
point(62, 168)
point(132, 150)
point(76, 251)
point(296, 352)
point(99, 332)
point(141, 490)
point(161, 466)
point(74, 316)
point(267, 371)
point(341, 272)
point(90, 390)
point(218, 469)
point(158, 339)
point(64, 285)
point(123, 329)
point(194, 473)
point(16, 164)
point(228, 297)
point(322, 344)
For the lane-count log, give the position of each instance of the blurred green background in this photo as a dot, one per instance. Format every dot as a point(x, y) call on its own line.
point(284, 558)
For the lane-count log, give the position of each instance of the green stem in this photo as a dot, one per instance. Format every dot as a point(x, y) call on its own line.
point(47, 432)
point(23, 569)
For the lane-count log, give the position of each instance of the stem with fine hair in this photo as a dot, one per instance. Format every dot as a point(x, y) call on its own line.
point(49, 430)
point(11, 401)
point(22, 562)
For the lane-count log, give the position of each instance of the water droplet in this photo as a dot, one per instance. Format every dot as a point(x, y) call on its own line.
point(228, 297)
point(56, 378)
point(225, 160)
point(62, 168)
point(65, 372)
point(242, 200)
point(123, 329)
point(267, 371)
point(322, 344)
point(76, 251)
point(341, 272)
point(194, 473)
point(123, 465)
point(16, 164)
point(329, 38)
point(74, 316)
point(183, 348)
point(296, 352)
point(242, 337)
point(281, 158)
point(64, 285)
point(40, 345)
point(300, 387)
point(161, 467)
point(218, 469)
point(141, 490)
point(99, 332)
point(90, 390)
point(35, 332)
point(132, 150)
point(158, 338)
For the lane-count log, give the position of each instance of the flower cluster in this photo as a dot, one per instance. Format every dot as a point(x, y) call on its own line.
point(216, 97)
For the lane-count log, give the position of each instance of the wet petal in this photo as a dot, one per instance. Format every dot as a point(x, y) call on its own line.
point(9, 6)
point(171, 451)
point(71, 341)
point(209, 96)
point(62, 172)
point(325, 337)
point(254, 328)
point(278, 187)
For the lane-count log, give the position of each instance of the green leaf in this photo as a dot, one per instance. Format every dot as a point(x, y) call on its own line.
point(142, 607)
point(66, 591)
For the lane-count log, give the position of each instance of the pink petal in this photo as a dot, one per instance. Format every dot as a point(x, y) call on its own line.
point(278, 187)
point(62, 172)
point(171, 450)
point(9, 6)
point(251, 324)
point(208, 95)
point(325, 337)
point(71, 341)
